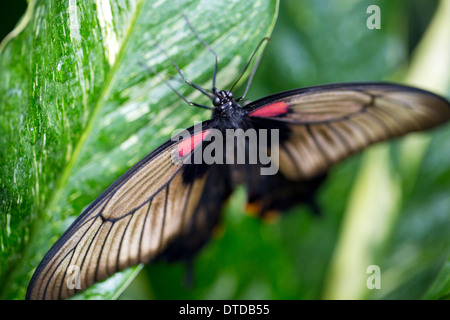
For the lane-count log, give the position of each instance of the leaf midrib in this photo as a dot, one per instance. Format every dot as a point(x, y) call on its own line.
point(106, 89)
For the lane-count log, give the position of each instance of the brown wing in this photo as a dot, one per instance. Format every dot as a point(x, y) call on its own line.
point(133, 221)
point(199, 228)
point(328, 123)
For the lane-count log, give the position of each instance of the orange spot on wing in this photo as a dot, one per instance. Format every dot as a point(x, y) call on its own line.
point(253, 209)
point(271, 216)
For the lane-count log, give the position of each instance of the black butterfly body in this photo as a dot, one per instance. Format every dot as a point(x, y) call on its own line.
point(165, 209)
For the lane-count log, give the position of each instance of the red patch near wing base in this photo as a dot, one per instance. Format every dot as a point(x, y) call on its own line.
point(271, 110)
point(188, 145)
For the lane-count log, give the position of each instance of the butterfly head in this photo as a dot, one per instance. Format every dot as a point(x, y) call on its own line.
point(222, 98)
point(225, 106)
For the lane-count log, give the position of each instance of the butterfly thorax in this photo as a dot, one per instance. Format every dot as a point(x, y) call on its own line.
point(227, 113)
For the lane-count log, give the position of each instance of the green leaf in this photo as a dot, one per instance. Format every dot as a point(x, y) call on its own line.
point(440, 289)
point(78, 108)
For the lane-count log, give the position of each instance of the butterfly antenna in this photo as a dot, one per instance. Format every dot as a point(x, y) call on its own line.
point(207, 47)
point(250, 79)
point(172, 88)
point(180, 72)
point(253, 70)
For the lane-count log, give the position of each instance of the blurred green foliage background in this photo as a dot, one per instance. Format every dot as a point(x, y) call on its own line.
point(300, 255)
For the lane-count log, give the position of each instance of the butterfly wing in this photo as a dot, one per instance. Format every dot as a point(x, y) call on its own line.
point(329, 123)
point(319, 126)
point(135, 220)
point(198, 229)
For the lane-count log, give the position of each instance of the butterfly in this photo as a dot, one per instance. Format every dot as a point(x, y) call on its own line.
point(166, 206)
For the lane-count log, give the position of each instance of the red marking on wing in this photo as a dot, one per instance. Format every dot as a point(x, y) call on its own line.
point(271, 110)
point(188, 145)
